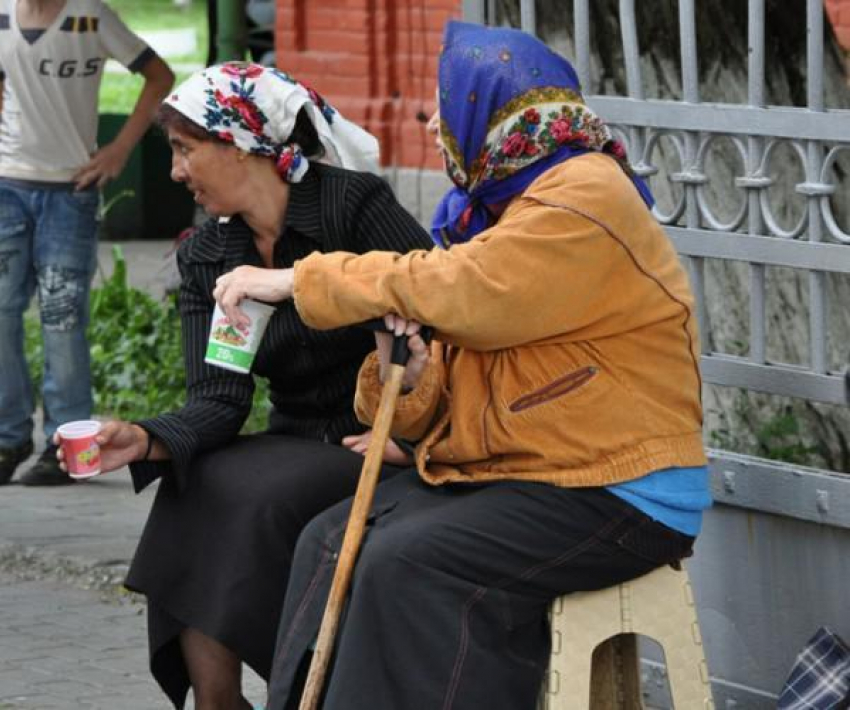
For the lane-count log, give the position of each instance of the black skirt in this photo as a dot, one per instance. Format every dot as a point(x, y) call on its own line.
point(216, 557)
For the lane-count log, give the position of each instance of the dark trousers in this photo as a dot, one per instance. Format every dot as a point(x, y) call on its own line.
point(448, 603)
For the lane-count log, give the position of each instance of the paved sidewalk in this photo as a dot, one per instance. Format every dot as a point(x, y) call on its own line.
point(62, 647)
point(70, 636)
point(151, 264)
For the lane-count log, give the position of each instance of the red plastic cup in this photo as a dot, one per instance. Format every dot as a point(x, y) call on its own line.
point(82, 452)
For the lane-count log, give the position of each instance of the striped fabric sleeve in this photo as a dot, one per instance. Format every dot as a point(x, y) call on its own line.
point(218, 401)
point(384, 225)
point(381, 223)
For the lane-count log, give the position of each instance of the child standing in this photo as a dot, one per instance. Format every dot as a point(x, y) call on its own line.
point(52, 54)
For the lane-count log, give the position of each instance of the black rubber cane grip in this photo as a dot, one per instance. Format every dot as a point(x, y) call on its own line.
point(400, 352)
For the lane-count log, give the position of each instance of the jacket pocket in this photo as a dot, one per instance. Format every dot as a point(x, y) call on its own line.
point(560, 387)
point(379, 511)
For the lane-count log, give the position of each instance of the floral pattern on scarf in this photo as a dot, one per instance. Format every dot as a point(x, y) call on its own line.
point(510, 109)
point(237, 108)
point(255, 107)
point(541, 129)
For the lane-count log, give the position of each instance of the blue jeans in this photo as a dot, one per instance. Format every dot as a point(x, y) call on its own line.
point(48, 244)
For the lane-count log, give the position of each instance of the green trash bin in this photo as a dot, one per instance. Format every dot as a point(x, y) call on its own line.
point(143, 202)
point(123, 196)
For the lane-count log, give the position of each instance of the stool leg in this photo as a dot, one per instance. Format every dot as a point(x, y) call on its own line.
point(688, 673)
point(662, 607)
point(569, 679)
point(615, 681)
point(604, 691)
point(629, 666)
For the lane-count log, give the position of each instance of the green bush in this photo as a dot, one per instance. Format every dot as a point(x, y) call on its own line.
point(137, 360)
point(775, 435)
point(137, 363)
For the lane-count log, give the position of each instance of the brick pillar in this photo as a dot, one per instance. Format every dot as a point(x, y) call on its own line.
point(838, 12)
point(374, 60)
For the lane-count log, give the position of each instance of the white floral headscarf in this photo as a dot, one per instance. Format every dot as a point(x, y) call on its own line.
point(254, 107)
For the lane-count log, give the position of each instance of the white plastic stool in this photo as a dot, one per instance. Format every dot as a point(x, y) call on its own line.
point(594, 662)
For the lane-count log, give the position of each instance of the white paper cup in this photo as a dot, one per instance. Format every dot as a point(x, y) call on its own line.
point(232, 348)
point(82, 452)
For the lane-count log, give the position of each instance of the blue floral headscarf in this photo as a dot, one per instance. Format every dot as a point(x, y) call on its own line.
point(510, 109)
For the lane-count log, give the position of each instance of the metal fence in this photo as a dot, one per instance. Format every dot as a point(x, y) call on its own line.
point(754, 235)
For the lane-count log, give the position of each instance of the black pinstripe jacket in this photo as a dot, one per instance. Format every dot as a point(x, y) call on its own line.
point(312, 373)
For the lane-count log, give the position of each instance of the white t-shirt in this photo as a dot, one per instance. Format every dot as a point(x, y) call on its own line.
point(48, 124)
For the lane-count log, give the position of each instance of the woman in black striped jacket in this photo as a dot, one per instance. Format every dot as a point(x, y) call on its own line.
point(214, 557)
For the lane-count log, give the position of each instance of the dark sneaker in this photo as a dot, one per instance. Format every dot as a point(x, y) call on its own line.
point(11, 458)
point(46, 471)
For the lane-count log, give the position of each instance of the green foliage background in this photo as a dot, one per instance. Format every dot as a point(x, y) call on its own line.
point(137, 360)
point(778, 437)
point(119, 92)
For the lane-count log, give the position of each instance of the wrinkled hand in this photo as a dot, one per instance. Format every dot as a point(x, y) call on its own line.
point(359, 443)
point(105, 165)
point(120, 443)
point(420, 355)
point(270, 285)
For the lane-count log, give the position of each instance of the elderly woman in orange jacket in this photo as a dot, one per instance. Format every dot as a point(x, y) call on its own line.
point(557, 416)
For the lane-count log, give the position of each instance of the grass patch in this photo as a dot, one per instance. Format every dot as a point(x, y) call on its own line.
point(118, 92)
point(143, 15)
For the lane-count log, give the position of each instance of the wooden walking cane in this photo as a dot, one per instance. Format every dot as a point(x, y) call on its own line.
point(360, 508)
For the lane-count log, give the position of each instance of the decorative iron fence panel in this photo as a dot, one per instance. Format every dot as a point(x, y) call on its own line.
point(772, 561)
point(816, 244)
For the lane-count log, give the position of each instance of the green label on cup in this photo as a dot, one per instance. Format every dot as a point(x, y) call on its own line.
point(229, 356)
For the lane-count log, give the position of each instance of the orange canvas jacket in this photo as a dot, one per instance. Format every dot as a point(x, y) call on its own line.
point(568, 347)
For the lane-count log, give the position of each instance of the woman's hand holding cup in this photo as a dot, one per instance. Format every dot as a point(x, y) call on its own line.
point(120, 444)
point(269, 285)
